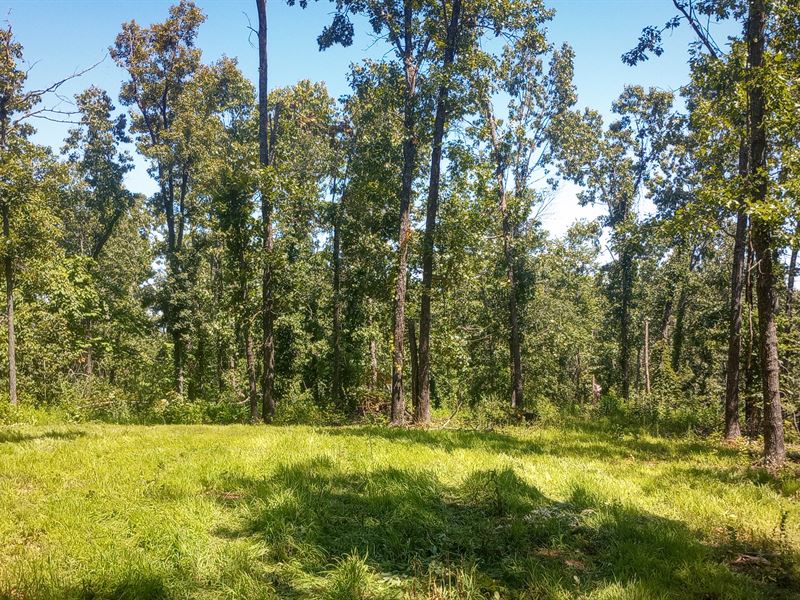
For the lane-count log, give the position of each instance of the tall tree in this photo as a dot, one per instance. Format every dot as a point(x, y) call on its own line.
point(17, 107)
point(520, 150)
point(701, 17)
point(422, 408)
point(160, 60)
point(265, 133)
point(616, 166)
point(404, 23)
point(99, 200)
point(763, 236)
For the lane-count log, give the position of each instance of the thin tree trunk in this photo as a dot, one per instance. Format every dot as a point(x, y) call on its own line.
point(267, 301)
point(373, 365)
point(732, 429)
point(647, 356)
point(763, 244)
point(8, 269)
point(336, 325)
point(750, 408)
point(423, 414)
point(414, 349)
point(252, 391)
point(398, 406)
point(626, 273)
point(514, 345)
point(373, 352)
point(791, 279)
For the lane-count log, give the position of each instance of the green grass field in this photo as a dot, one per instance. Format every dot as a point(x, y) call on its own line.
point(101, 511)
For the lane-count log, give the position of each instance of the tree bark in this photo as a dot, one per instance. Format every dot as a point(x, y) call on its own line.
point(763, 244)
point(626, 273)
point(252, 384)
point(398, 406)
point(264, 156)
point(751, 416)
point(414, 349)
point(8, 270)
point(423, 414)
point(732, 429)
point(647, 356)
point(336, 324)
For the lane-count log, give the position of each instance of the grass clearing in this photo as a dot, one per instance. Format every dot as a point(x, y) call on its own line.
point(583, 511)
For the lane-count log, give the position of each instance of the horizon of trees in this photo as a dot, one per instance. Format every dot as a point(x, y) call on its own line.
point(308, 255)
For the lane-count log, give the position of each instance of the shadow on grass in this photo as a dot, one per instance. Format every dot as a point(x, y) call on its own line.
point(506, 533)
point(583, 441)
point(16, 437)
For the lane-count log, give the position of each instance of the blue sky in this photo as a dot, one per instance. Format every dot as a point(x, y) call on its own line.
point(61, 36)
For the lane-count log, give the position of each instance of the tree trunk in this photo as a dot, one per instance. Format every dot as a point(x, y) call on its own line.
point(398, 406)
point(647, 356)
point(514, 345)
point(751, 416)
point(414, 349)
point(267, 302)
point(423, 414)
point(732, 429)
point(791, 278)
point(252, 384)
point(626, 273)
point(8, 270)
point(336, 325)
point(763, 244)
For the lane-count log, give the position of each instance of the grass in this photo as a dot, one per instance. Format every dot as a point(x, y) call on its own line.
point(581, 511)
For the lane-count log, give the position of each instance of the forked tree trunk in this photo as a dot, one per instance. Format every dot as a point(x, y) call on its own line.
point(398, 405)
point(423, 414)
point(763, 244)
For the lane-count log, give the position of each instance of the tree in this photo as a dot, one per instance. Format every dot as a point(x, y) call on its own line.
point(160, 60)
point(266, 130)
point(221, 103)
point(404, 23)
point(18, 159)
point(521, 150)
point(615, 166)
point(763, 236)
point(700, 17)
point(99, 199)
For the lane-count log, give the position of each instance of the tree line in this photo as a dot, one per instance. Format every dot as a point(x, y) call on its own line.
point(385, 252)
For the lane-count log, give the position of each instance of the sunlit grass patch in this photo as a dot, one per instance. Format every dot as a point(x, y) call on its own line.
point(364, 512)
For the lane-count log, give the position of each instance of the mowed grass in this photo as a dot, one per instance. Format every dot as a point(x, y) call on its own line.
point(100, 511)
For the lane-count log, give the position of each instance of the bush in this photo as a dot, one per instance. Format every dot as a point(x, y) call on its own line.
point(95, 400)
point(489, 412)
point(26, 413)
point(546, 412)
point(297, 407)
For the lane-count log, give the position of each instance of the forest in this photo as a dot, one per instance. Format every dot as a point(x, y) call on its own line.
point(337, 353)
